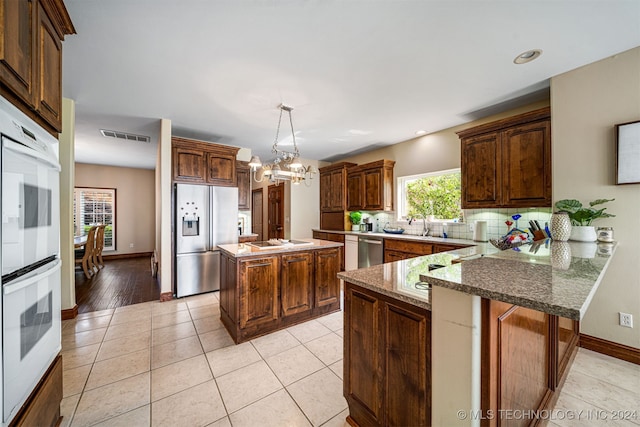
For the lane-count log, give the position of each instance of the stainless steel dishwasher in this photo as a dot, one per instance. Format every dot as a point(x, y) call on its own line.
point(369, 251)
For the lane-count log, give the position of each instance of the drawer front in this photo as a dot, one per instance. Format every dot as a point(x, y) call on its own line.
point(417, 248)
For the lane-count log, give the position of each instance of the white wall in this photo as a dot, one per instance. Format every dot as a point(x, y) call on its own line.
point(305, 205)
point(163, 208)
point(67, 160)
point(586, 104)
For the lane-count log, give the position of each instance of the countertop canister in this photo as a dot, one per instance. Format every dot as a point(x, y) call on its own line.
point(560, 226)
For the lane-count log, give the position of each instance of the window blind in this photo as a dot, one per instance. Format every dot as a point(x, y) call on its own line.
point(93, 206)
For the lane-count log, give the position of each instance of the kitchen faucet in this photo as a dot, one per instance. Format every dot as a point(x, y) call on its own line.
point(425, 230)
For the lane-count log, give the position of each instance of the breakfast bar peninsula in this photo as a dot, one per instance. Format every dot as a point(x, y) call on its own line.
point(485, 340)
point(264, 288)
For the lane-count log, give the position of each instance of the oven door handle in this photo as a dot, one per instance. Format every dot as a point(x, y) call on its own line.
point(22, 149)
point(25, 281)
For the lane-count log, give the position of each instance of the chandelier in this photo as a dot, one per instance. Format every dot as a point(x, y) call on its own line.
point(286, 165)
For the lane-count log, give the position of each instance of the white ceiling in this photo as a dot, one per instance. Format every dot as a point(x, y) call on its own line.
point(359, 74)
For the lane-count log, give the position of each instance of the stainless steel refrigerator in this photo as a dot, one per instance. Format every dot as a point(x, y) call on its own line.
point(206, 216)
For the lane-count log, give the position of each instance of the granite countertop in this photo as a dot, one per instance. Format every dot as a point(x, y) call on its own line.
point(238, 250)
point(558, 278)
point(428, 239)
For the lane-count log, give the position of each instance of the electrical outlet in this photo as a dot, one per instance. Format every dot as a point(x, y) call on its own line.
point(131, 245)
point(471, 226)
point(626, 320)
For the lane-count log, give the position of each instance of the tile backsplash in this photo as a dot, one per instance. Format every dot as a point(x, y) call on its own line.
point(495, 218)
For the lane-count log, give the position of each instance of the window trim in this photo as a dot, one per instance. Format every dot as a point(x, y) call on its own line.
point(401, 198)
point(76, 211)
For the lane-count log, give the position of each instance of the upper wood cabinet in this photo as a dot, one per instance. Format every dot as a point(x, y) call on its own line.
point(203, 162)
point(370, 186)
point(243, 174)
point(507, 163)
point(333, 187)
point(31, 58)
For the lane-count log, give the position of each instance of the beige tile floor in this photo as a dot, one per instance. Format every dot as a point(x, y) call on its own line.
point(173, 363)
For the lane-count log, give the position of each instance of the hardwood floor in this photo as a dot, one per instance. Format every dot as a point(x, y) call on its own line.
point(121, 282)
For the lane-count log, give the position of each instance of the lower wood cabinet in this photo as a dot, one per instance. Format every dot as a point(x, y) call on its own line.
point(387, 360)
point(525, 358)
point(42, 408)
point(333, 237)
point(259, 280)
point(263, 293)
point(396, 250)
point(297, 283)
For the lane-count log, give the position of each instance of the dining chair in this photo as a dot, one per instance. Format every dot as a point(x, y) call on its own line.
point(97, 252)
point(85, 257)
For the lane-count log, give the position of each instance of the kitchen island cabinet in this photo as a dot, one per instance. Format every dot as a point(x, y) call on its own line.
point(392, 339)
point(503, 331)
point(262, 291)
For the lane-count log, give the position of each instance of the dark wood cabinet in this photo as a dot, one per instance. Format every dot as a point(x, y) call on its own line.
point(355, 190)
point(328, 263)
point(49, 95)
point(333, 237)
point(507, 163)
point(31, 58)
point(42, 407)
point(525, 357)
point(259, 282)
point(262, 294)
point(517, 367)
point(200, 162)
point(297, 283)
point(243, 178)
point(188, 165)
point(333, 195)
point(387, 360)
point(18, 62)
point(395, 250)
point(370, 186)
point(567, 332)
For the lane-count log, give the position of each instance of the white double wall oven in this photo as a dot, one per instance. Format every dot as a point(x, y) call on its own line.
point(30, 255)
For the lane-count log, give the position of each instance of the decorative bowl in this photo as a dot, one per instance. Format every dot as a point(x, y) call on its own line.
point(398, 230)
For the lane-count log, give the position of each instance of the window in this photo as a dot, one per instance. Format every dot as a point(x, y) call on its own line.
point(93, 206)
point(436, 194)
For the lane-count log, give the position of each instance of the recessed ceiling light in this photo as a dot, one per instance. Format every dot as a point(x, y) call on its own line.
point(421, 132)
point(527, 56)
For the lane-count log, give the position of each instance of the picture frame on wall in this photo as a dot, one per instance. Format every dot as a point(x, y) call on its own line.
point(628, 153)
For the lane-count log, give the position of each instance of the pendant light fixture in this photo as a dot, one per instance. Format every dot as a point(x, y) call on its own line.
point(286, 165)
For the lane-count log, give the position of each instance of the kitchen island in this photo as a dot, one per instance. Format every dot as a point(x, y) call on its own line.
point(491, 332)
point(264, 289)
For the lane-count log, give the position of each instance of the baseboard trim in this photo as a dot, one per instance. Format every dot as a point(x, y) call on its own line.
point(124, 256)
point(166, 296)
point(70, 313)
point(610, 348)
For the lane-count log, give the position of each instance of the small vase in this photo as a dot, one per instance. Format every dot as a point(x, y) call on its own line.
point(560, 226)
point(355, 227)
point(583, 233)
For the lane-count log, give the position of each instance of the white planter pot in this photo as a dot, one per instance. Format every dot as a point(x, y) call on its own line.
point(583, 233)
point(355, 227)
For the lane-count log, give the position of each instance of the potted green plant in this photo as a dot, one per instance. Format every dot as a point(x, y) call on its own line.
point(581, 217)
point(355, 218)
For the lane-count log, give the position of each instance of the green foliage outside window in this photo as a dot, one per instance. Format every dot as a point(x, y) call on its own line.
point(435, 195)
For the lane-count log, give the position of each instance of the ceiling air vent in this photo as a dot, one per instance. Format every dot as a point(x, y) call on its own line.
point(124, 135)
